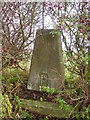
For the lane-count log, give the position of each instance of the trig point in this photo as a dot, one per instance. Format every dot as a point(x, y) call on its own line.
point(47, 67)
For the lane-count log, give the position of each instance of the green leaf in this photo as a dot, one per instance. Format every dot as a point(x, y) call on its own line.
point(61, 106)
point(41, 99)
point(77, 116)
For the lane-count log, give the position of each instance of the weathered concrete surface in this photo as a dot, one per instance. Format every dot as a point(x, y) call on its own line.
point(44, 108)
point(46, 65)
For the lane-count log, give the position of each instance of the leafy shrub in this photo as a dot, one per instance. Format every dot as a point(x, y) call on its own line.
point(6, 106)
point(63, 104)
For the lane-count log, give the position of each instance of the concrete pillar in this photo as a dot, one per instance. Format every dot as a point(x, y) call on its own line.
point(47, 67)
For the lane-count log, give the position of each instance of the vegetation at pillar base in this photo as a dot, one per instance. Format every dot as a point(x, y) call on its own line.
point(47, 90)
point(19, 21)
